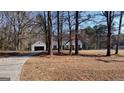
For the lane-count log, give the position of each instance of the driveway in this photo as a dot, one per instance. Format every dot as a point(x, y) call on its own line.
point(10, 68)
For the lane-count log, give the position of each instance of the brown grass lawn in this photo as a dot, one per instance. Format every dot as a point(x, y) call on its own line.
point(89, 65)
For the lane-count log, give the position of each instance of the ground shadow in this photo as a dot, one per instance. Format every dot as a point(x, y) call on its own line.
point(117, 55)
point(18, 54)
point(8, 54)
point(5, 79)
point(42, 54)
point(108, 61)
point(92, 55)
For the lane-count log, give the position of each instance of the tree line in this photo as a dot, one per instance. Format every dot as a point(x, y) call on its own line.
point(19, 29)
point(109, 16)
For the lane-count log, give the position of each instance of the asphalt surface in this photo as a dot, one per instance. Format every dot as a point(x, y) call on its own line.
point(10, 67)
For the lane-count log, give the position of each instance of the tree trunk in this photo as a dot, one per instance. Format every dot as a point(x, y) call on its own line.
point(49, 34)
point(58, 31)
point(76, 33)
point(119, 32)
point(109, 25)
point(108, 45)
point(46, 33)
point(70, 34)
point(18, 41)
point(61, 30)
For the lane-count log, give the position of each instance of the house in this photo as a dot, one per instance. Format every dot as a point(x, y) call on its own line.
point(67, 45)
point(55, 44)
point(38, 46)
point(41, 46)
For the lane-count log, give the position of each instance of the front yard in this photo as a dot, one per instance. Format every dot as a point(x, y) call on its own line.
point(89, 65)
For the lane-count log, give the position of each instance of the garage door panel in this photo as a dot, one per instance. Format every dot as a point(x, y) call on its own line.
point(38, 48)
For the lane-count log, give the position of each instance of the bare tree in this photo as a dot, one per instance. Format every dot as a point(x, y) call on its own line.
point(76, 32)
point(46, 32)
point(2, 31)
point(119, 32)
point(58, 28)
point(109, 18)
point(49, 33)
point(19, 21)
point(61, 30)
point(70, 33)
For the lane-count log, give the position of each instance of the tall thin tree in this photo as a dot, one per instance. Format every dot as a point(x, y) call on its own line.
point(49, 34)
point(109, 19)
point(58, 28)
point(109, 33)
point(76, 32)
point(70, 33)
point(119, 32)
point(61, 31)
point(46, 32)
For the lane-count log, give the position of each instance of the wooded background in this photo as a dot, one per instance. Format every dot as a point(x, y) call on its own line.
point(96, 30)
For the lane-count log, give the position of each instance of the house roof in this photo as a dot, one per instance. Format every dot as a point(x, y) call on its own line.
point(38, 43)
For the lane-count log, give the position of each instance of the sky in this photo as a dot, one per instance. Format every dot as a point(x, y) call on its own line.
point(95, 20)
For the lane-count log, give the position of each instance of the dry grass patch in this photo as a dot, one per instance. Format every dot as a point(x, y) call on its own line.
point(93, 66)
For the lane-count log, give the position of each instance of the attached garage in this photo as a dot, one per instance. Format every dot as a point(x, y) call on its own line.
point(38, 46)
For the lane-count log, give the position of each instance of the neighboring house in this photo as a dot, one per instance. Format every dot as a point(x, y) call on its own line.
point(38, 46)
point(67, 45)
point(55, 44)
point(41, 46)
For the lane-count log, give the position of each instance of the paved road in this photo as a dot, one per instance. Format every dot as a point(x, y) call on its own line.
point(10, 68)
